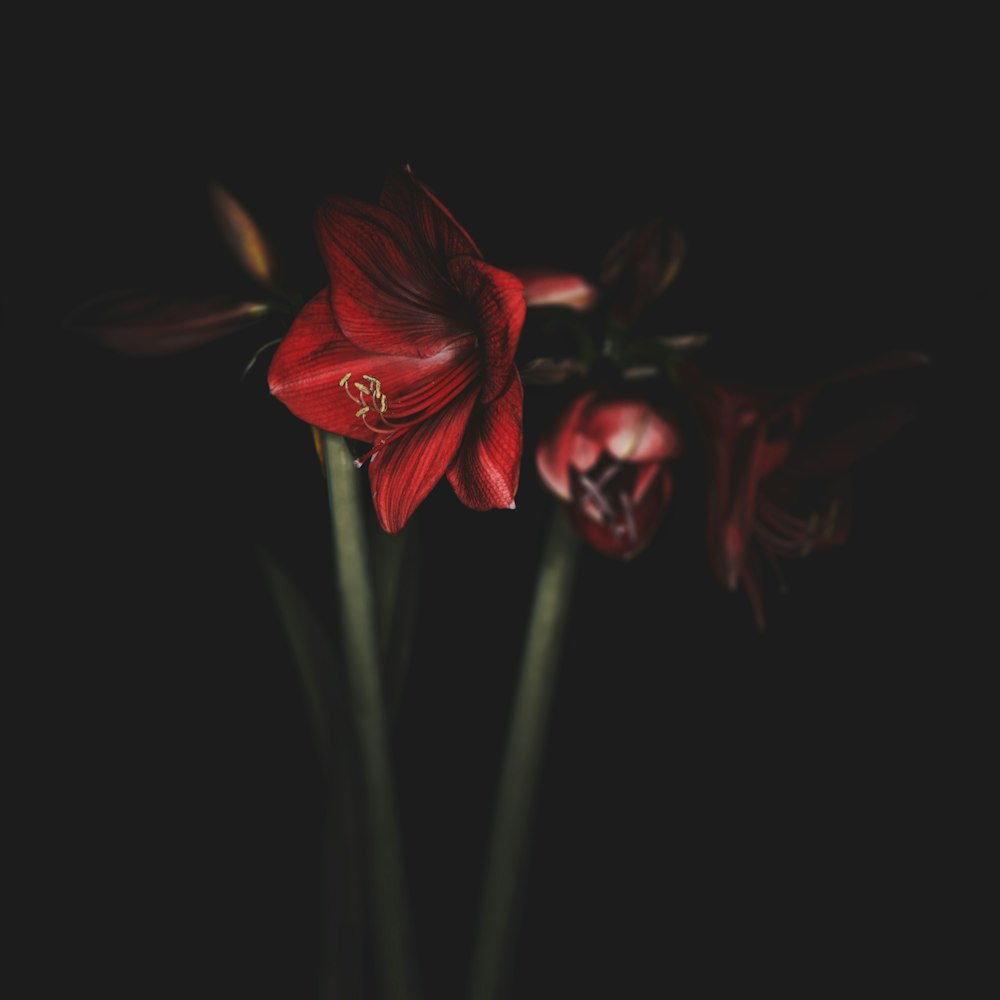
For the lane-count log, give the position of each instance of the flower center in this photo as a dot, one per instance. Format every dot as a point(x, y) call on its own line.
point(372, 404)
point(418, 404)
point(604, 496)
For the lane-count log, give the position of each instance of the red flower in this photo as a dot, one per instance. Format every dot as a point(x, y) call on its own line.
point(606, 458)
point(773, 491)
point(411, 349)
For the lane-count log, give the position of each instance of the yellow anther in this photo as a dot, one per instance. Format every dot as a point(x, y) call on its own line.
point(377, 401)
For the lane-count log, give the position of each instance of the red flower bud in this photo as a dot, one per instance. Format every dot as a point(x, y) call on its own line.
point(607, 459)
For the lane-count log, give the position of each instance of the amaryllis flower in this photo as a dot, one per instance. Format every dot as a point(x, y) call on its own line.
point(607, 459)
point(775, 492)
point(411, 349)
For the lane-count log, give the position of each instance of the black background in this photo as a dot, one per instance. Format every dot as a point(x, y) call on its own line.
point(788, 811)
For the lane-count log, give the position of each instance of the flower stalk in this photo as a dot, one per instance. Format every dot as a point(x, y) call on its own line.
point(522, 760)
point(390, 919)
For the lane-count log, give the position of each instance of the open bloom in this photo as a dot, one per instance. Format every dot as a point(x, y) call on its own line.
point(607, 459)
point(773, 491)
point(411, 349)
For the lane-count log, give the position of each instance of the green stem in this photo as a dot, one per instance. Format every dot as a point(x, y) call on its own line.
point(321, 675)
point(396, 592)
point(519, 777)
point(393, 941)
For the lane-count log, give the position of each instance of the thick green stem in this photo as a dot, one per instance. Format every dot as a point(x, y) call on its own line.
point(521, 766)
point(393, 942)
point(321, 675)
point(396, 592)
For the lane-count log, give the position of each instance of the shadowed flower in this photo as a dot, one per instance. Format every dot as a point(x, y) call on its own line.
point(773, 491)
point(411, 349)
point(641, 265)
point(606, 458)
point(638, 268)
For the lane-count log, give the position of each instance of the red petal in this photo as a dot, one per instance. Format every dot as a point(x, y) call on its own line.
point(386, 292)
point(632, 431)
point(647, 516)
point(407, 469)
point(497, 301)
point(485, 472)
point(543, 287)
point(584, 451)
point(413, 201)
point(307, 368)
point(154, 326)
point(555, 449)
point(645, 476)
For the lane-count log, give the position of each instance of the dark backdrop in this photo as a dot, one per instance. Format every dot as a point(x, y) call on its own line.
point(716, 806)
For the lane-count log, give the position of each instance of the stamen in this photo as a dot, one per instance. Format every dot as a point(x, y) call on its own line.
point(607, 474)
point(598, 497)
point(630, 526)
point(377, 401)
point(379, 445)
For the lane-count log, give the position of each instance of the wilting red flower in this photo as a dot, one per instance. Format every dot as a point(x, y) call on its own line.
point(606, 457)
point(411, 349)
point(774, 492)
point(641, 265)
